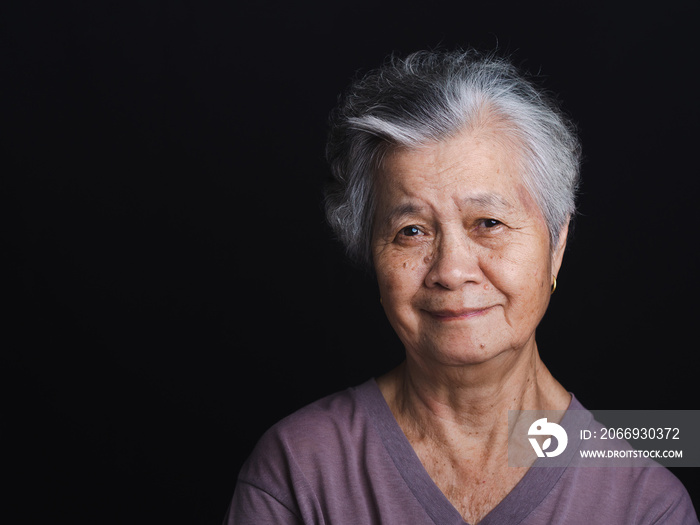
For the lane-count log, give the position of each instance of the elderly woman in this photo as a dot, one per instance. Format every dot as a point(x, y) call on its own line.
point(454, 179)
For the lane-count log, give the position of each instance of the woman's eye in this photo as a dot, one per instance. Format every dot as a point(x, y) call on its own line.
point(490, 223)
point(409, 231)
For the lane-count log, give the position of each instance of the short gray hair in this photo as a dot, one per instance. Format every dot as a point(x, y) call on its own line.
point(428, 97)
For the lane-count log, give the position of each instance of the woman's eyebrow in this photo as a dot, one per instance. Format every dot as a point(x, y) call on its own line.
point(482, 200)
point(403, 210)
point(490, 200)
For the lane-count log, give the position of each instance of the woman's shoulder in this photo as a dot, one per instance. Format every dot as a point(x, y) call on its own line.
point(337, 413)
point(651, 494)
point(620, 487)
point(331, 426)
point(327, 462)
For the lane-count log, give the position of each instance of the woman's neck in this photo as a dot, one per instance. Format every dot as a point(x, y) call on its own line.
point(470, 403)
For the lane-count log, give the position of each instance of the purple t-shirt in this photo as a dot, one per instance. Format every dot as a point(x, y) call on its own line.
point(345, 460)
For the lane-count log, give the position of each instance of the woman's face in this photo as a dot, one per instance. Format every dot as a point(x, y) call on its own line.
point(461, 250)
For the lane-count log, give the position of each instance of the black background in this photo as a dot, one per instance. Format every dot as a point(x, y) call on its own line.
point(172, 287)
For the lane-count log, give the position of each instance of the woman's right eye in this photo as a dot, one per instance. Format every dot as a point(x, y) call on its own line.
point(409, 231)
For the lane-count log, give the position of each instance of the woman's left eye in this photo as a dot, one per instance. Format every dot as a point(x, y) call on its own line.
point(490, 223)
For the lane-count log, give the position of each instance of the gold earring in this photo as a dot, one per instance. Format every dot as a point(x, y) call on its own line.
point(554, 285)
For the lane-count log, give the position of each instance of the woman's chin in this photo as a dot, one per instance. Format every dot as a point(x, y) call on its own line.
point(464, 354)
point(470, 350)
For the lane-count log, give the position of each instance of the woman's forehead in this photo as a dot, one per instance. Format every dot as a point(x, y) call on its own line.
point(467, 170)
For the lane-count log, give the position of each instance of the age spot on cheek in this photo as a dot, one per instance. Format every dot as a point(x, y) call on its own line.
point(409, 265)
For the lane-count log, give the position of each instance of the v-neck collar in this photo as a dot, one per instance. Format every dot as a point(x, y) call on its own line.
point(537, 482)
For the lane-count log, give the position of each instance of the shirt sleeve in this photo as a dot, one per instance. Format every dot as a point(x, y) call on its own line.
point(252, 505)
point(676, 506)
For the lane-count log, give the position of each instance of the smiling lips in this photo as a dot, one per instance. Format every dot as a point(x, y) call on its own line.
point(457, 315)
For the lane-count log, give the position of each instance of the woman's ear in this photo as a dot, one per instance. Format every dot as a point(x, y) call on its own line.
point(558, 251)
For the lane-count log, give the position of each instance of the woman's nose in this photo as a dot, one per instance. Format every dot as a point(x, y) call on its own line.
point(454, 263)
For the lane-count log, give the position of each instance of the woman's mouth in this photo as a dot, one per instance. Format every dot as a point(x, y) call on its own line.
point(448, 314)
